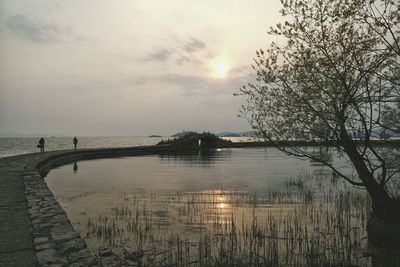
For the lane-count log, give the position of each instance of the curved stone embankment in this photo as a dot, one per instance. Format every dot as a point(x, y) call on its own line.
point(34, 228)
point(54, 240)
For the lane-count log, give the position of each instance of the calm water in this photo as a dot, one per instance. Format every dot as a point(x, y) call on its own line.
point(16, 146)
point(254, 170)
point(154, 203)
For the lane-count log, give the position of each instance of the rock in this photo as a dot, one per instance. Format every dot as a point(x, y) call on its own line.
point(106, 252)
point(37, 220)
point(45, 246)
point(79, 255)
point(77, 264)
point(40, 240)
point(63, 232)
point(48, 256)
point(75, 244)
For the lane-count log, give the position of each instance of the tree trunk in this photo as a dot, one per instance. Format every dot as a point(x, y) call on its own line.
point(384, 226)
point(384, 208)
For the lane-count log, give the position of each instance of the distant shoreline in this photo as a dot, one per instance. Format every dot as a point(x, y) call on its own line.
point(376, 143)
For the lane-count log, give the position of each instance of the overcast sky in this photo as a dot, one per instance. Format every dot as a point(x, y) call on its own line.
point(128, 67)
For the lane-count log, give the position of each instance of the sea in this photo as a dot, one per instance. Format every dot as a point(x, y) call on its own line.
point(17, 146)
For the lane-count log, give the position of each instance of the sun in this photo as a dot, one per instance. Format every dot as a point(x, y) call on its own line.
point(221, 69)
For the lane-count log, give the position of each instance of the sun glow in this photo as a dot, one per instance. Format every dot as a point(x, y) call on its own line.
point(221, 70)
point(220, 67)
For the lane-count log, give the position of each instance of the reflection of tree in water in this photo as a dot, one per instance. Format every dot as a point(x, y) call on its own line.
point(193, 158)
point(390, 155)
point(324, 153)
point(327, 154)
point(204, 139)
point(392, 159)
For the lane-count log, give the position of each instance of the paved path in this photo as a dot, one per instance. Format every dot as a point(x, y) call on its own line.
point(16, 244)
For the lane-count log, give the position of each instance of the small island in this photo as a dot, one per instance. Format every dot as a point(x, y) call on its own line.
point(204, 139)
point(183, 133)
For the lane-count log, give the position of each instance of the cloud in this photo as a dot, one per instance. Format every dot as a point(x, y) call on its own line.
point(243, 70)
point(161, 55)
point(194, 85)
point(38, 31)
point(182, 60)
point(179, 51)
point(84, 38)
point(194, 45)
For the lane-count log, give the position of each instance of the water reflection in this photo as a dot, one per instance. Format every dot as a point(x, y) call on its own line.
point(196, 158)
point(324, 153)
point(75, 167)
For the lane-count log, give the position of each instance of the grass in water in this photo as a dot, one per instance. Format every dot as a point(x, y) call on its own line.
point(309, 221)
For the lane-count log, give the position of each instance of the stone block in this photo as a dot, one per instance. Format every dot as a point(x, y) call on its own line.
point(40, 240)
point(48, 256)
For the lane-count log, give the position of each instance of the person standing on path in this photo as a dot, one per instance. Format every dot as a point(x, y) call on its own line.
point(75, 141)
point(41, 144)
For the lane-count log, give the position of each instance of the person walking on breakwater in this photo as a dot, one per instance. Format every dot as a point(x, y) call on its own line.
point(41, 144)
point(75, 141)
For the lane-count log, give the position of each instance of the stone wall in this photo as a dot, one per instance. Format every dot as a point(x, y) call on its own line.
point(55, 241)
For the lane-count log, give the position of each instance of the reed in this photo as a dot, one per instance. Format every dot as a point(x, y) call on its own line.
point(309, 221)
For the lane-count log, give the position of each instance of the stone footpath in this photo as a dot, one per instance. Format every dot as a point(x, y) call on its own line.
point(34, 229)
point(54, 240)
point(16, 243)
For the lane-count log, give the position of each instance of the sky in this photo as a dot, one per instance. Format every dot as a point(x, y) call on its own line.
point(128, 67)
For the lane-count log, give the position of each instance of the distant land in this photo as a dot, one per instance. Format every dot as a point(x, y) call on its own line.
point(228, 134)
point(221, 134)
point(375, 134)
point(36, 135)
point(29, 135)
point(388, 133)
point(237, 134)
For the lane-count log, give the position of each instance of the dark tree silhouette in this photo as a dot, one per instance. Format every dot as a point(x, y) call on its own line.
point(332, 75)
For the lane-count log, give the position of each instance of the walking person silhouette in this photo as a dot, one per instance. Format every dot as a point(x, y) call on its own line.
point(75, 141)
point(41, 144)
